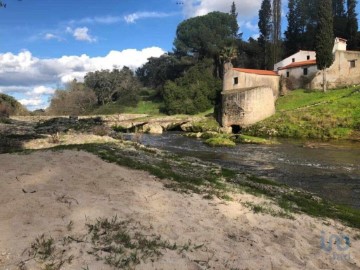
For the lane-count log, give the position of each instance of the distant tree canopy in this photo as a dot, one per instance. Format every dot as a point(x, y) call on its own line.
point(206, 36)
point(194, 92)
point(116, 85)
point(76, 99)
point(10, 106)
point(158, 70)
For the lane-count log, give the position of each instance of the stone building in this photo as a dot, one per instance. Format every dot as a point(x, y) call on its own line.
point(300, 71)
point(248, 96)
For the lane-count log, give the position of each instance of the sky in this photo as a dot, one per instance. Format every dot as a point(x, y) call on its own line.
point(46, 43)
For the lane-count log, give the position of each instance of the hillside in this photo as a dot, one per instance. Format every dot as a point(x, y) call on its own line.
point(10, 106)
point(315, 115)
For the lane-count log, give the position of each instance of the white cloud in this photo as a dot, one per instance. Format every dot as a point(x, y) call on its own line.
point(41, 90)
point(81, 34)
point(132, 18)
point(31, 102)
point(245, 8)
point(33, 77)
point(251, 27)
point(97, 20)
point(49, 36)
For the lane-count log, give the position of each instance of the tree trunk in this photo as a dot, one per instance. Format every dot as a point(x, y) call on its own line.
point(324, 80)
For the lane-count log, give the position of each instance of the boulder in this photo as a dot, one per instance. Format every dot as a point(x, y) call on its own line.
point(153, 128)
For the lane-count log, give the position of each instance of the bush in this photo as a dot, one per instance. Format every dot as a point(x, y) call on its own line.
point(4, 110)
point(194, 92)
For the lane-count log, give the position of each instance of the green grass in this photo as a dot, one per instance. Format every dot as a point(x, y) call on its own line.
point(220, 141)
point(315, 115)
point(252, 140)
point(145, 107)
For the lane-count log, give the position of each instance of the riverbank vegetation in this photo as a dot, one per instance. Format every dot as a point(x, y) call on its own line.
point(313, 115)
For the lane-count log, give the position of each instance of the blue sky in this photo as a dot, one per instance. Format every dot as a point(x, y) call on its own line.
point(45, 43)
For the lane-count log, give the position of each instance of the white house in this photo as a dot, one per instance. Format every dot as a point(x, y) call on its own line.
point(300, 69)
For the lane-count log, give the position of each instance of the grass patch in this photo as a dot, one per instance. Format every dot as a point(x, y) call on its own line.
point(313, 114)
point(266, 208)
point(145, 107)
point(125, 244)
point(252, 140)
point(220, 141)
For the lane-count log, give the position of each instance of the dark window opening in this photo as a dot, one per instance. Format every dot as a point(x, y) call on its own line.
point(287, 74)
point(293, 60)
point(305, 71)
point(236, 80)
point(352, 63)
point(308, 57)
point(235, 129)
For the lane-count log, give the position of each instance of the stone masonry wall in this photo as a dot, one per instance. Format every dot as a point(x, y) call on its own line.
point(247, 106)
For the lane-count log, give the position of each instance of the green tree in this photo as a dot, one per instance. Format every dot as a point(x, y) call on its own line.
point(276, 32)
point(194, 92)
point(157, 70)
point(340, 19)
point(205, 37)
point(293, 31)
point(234, 24)
point(324, 39)
point(116, 85)
point(352, 25)
point(75, 99)
point(10, 106)
point(265, 28)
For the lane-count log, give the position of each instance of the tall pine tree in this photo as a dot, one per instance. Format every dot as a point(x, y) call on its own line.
point(352, 25)
point(340, 20)
point(276, 31)
point(265, 32)
point(292, 34)
point(324, 40)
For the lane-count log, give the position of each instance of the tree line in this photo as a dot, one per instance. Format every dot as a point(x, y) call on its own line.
point(188, 79)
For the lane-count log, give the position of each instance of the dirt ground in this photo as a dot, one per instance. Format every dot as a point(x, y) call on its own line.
point(56, 194)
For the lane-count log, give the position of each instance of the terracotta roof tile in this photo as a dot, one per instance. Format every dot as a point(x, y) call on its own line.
point(257, 71)
point(300, 64)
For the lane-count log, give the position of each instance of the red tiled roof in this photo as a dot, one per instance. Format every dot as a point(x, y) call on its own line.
point(257, 71)
point(300, 64)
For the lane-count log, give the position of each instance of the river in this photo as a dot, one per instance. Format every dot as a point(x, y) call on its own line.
point(331, 170)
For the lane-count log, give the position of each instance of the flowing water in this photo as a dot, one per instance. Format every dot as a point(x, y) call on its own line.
point(332, 170)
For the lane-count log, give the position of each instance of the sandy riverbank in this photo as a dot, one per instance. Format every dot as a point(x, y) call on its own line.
point(44, 192)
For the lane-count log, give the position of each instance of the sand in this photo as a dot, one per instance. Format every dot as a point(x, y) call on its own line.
point(43, 192)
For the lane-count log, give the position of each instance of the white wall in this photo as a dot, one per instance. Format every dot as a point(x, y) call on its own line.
point(299, 57)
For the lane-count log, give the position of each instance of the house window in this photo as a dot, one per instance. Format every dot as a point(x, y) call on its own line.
point(305, 71)
point(352, 63)
point(293, 60)
point(287, 74)
point(308, 57)
point(236, 80)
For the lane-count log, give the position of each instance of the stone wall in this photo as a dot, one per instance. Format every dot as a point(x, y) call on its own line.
point(244, 107)
point(340, 73)
point(247, 80)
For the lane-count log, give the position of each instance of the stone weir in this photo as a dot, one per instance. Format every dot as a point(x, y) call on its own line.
point(245, 106)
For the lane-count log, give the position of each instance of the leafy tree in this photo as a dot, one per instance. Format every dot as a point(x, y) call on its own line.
point(340, 19)
point(116, 85)
point(10, 106)
point(265, 27)
point(352, 24)
point(194, 92)
point(157, 70)
point(205, 37)
point(324, 38)
point(76, 99)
